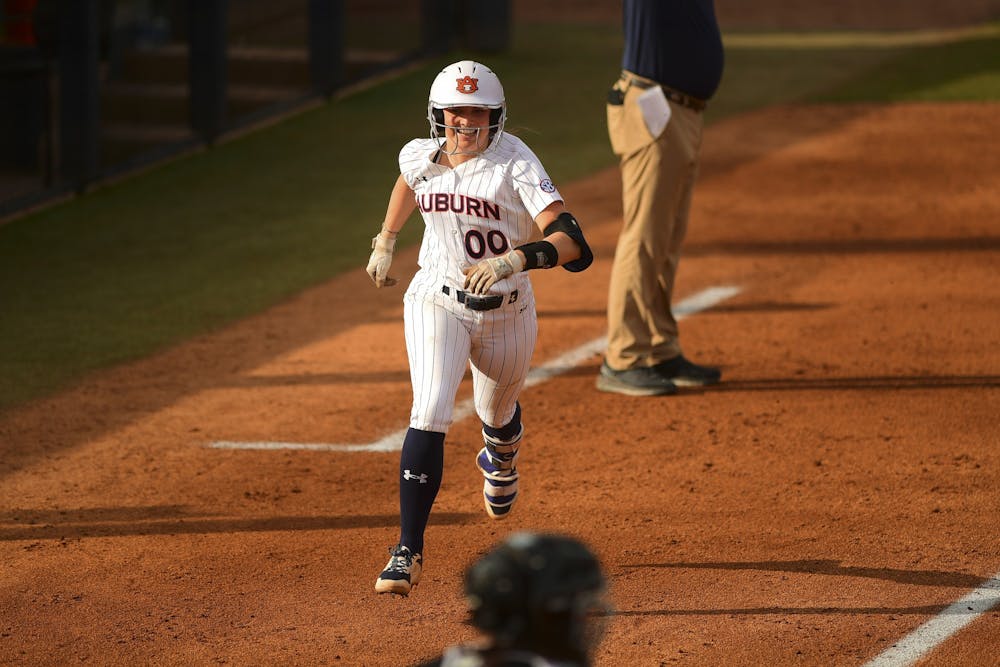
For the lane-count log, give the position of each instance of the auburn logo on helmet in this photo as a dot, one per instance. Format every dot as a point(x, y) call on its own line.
point(467, 85)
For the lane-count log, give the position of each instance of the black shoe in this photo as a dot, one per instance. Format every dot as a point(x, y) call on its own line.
point(683, 373)
point(402, 572)
point(634, 382)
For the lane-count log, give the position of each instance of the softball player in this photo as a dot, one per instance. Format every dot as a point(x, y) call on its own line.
point(491, 214)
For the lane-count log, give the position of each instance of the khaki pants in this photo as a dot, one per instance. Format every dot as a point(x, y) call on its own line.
point(658, 175)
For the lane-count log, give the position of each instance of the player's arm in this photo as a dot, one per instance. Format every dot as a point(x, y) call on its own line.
point(562, 231)
point(401, 205)
point(563, 244)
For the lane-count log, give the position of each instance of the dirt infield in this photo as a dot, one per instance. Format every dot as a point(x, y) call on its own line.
point(837, 490)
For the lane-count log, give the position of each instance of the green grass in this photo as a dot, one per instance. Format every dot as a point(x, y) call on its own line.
point(198, 243)
point(962, 71)
point(759, 77)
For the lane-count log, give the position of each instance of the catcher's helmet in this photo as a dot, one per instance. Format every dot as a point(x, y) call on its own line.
point(466, 84)
point(535, 592)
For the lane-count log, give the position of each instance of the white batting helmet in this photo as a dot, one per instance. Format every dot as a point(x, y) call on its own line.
point(466, 84)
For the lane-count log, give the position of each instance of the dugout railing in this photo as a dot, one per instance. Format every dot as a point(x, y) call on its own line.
point(94, 89)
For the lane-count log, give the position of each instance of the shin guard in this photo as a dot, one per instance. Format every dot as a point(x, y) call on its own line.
point(498, 463)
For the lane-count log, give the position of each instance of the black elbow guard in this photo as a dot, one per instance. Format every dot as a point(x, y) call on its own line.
point(567, 224)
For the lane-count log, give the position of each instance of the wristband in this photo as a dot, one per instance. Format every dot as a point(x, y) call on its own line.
point(539, 255)
point(384, 242)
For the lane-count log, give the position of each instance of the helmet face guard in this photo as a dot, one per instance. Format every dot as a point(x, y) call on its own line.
point(466, 84)
point(539, 592)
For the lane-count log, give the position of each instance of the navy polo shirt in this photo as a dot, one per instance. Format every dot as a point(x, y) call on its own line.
point(674, 42)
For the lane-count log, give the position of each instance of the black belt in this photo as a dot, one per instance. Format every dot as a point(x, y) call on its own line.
point(675, 96)
point(481, 302)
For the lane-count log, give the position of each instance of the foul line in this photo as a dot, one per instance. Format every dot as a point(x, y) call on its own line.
point(394, 441)
point(934, 632)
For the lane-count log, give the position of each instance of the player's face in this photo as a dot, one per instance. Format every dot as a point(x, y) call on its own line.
point(472, 134)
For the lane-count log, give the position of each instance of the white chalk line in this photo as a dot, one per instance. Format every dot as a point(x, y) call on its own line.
point(394, 441)
point(920, 642)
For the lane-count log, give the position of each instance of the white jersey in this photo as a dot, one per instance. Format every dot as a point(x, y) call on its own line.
point(483, 208)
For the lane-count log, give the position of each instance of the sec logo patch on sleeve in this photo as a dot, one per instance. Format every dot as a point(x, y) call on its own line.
point(546, 186)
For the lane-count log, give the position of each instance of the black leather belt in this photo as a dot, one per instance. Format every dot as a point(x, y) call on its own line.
point(675, 96)
point(480, 302)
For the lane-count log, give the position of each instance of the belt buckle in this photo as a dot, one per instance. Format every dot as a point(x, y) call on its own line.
point(481, 302)
point(486, 302)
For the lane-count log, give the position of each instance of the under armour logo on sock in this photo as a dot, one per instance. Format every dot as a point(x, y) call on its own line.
point(422, 477)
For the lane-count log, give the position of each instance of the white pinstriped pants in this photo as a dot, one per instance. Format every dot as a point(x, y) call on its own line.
point(443, 337)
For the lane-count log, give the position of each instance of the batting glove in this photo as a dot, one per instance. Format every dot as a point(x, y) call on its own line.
point(481, 277)
point(381, 259)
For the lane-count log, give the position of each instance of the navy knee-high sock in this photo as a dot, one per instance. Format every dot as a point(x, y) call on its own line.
point(421, 466)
